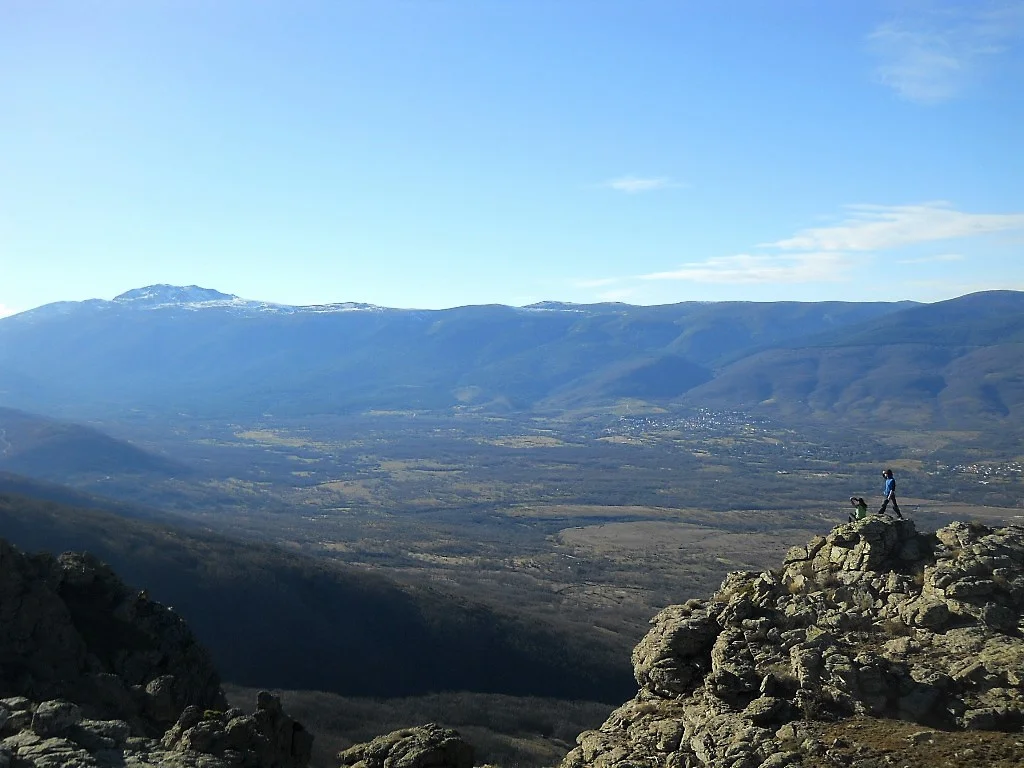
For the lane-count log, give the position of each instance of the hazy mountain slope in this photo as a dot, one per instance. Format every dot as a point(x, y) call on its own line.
point(957, 363)
point(49, 449)
point(204, 352)
point(19, 485)
point(272, 618)
point(978, 319)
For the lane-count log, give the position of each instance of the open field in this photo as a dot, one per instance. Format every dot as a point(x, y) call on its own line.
point(591, 521)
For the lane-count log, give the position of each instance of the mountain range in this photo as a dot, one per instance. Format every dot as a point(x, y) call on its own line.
point(206, 353)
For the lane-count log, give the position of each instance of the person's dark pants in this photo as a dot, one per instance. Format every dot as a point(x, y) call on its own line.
point(895, 507)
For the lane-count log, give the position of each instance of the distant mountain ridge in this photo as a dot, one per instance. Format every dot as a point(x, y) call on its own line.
point(956, 364)
point(206, 352)
point(173, 294)
point(188, 297)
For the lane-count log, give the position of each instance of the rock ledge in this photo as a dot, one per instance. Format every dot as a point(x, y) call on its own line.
point(874, 620)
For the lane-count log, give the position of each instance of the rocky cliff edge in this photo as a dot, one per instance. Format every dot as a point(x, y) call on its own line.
point(876, 620)
point(93, 673)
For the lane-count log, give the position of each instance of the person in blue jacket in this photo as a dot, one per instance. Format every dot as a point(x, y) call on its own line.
point(890, 494)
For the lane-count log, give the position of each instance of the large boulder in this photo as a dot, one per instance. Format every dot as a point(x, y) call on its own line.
point(425, 746)
point(267, 738)
point(673, 657)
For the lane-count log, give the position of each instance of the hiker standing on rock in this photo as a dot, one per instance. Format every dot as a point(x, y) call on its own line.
point(890, 494)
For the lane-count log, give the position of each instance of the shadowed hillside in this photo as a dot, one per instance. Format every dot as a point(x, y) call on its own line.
point(38, 490)
point(95, 673)
point(271, 618)
point(50, 449)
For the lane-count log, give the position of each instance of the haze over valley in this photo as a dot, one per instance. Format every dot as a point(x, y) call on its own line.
point(525, 483)
point(436, 362)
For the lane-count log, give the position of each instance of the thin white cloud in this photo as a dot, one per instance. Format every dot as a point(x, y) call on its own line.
point(758, 268)
point(830, 254)
point(879, 227)
point(939, 258)
point(5, 311)
point(934, 55)
point(634, 184)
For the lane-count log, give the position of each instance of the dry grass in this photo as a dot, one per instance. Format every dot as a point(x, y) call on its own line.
point(871, 743)
point(621, 440)
point(417, 465)
point(276, 438)
point(992, 516)
point(351, 489)
point(545, 511)
point(524, 441)
point(737, 550)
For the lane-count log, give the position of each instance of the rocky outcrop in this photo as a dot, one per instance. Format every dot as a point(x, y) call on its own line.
point(267, 738)
point(55, 734)
point(426, 746)
point(93, 673)
point(71, 629)
point(873, 620)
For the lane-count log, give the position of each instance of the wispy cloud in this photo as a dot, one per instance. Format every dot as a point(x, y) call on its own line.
point(933, 56)
point(5, 310)
point(635, 184)
point(762, 268)
point(831, 254)
point(878, 227)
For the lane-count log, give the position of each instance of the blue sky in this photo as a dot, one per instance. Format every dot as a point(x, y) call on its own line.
point(433, 153)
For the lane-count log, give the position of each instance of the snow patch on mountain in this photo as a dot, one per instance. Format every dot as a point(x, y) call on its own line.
point(187, 298)
point(173, 294)
point(194, 297)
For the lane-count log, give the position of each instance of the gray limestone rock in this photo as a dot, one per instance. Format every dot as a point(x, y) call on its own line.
point(267, 737)
point(675, 655)
point(58, 736)
point(54, 718)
